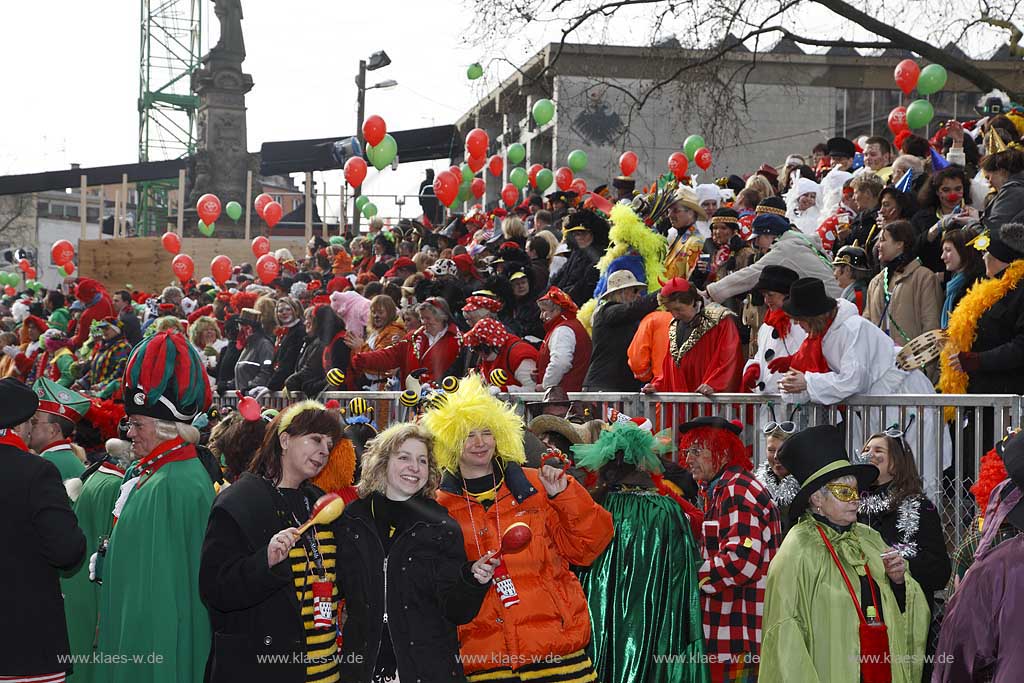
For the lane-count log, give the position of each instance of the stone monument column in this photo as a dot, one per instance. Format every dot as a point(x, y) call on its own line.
point(222, 157)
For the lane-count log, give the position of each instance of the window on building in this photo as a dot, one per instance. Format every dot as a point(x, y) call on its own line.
point(277, 198)
point(43, 208)
point(71, 211)
point(91, 214)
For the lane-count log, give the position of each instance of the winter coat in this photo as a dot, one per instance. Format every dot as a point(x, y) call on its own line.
point(999, 343)
point(525, 320)
point(254, 364)
point(414, 352)
point(286, 355)
point(40, 537)
point(928, 251)
point(614, 325)
point(1007, 206)
point(795, 251)
point(421, 590)
point(579, 276)
point(552, 617)
point(309, 377)
point(131, 325)
point(915, 302)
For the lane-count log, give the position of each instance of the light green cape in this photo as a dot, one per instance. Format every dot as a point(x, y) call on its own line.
point(810, 630)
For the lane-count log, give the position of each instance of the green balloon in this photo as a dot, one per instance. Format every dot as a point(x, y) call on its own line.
point(337, 240)
point(519, 177)
point(543, 111)
point(62, 272)
point(382, 154)
point(361, 201)
point(577, 160)
point(919, 114)
point(233, 210)
point(207, 229)
point(30, 284)
point(474, 71)
point(369, 210)
point(932, 79)
point(467, 173)
point(516, 154)
point(692, 144)
point(8, 279)
point(544, 179)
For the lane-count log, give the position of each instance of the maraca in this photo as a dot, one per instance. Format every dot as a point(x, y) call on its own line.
point(327, 509)
point(516, 537)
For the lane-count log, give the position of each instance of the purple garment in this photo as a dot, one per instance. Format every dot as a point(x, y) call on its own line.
point(980, 635)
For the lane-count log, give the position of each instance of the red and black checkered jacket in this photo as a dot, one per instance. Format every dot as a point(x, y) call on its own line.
point(742, 531)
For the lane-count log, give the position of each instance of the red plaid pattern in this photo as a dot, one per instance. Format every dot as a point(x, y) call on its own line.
point(741, 534)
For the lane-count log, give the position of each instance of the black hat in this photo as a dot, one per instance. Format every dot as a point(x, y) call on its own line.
point(585, 219)
point(624, 183)
point(566, 196)
point(807, 298)
point(852, 256)
point(454, 230)
point(1007, 243)
point(20, 400)
point(712, 421)
point(816, 456)
point(840, 147)
point(735, 183)
point(776, 279)
point(1011, 450)
point(726, 215)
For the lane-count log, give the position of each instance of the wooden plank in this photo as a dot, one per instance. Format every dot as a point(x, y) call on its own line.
point(248, 204)
point(83, 204)
point(309, 206)
point(124, 204)
point(181, 202)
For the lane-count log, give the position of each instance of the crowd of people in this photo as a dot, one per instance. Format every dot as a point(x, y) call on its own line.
point(161, 521)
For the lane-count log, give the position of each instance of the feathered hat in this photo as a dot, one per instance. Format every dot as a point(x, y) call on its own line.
point(471, 407)
point(637, 445)
point(165, 378)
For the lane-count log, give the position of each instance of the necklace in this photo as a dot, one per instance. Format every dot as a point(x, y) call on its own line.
point(472, 522)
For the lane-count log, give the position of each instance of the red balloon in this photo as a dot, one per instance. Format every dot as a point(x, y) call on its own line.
point(267, 268)
point(898, 120)
point(478, 187)
point(628, 162)
point(677, 164)
point(220, 268)
point(477, 142)
point(24, 265)
point(208, 208)
point(249, 408)
point(62, 251)
point(702, 158)
point(476, 163)
point(30, 273)
point(579, 186)
point(355, 171)
point(446, 186)
point(510, 195)
point(69, 267)
point(906, 75)
point(374, 129)
point(261, 202)
point(272, 213)
point(456, 171)
point(183, 267)
point(171, 242)
point(563, 178)
point(532, 174)
point(260, 246)
point(10, 291)
point(495, 164)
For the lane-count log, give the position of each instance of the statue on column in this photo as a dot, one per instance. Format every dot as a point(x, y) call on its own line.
point(229, 13)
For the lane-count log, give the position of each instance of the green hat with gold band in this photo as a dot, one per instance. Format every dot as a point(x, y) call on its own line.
point(60, 401)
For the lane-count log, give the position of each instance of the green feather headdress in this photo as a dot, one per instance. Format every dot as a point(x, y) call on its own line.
point(637, 446)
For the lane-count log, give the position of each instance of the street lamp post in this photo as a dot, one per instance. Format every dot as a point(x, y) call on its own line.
point(376, 61)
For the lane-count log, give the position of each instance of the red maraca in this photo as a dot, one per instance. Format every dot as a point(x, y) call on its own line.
point(516, 537)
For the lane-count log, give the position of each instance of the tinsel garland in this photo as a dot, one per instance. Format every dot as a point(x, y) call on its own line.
point(908, 519)
point(782, 492)
point(963, 326)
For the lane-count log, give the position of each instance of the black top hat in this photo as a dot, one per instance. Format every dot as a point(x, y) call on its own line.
point(840, 147)
point(18, 402)
point(712, 421)
point(624, 183)
point(1011, 450)
point(815, 457)
point(852, 256)
point(807, 298)
point(776, 279)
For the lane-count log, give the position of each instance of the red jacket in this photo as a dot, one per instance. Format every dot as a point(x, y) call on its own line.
point(573, 379)
point(413, 352)
point(509, 359)
point(103, 308)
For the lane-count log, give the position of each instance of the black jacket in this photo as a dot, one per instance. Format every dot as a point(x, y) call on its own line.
point(929, 251)
point(286, 356)
point(1007, 206)
point(428, 591)
point(1000, 347)
point(579, 276)
point(525, 319)
point(253, 608)
point(131, 325)
point(39, 536)
point(614, 325)
point(309, 369)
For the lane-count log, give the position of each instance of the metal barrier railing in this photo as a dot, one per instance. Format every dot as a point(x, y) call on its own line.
point(934, 442)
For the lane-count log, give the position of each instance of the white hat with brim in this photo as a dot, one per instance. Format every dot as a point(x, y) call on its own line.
point(621, 279)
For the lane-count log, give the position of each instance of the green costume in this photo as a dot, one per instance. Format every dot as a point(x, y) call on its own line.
point(643, 595)
point(65, 460)
point(59, 319)
point(810, 628)
point(94, 509)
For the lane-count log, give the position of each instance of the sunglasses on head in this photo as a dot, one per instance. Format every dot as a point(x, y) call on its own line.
point(894, 431)
point(788, 426)
point(844, 493)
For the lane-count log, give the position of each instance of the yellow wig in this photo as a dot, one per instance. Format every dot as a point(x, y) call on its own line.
point(471, 407)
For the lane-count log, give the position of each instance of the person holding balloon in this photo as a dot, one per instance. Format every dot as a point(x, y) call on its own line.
point(406, 572)
point(268, 588)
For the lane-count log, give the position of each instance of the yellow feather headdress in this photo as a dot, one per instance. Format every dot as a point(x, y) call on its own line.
point(471, 407)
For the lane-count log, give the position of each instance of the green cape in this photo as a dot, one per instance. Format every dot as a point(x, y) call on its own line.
point(67, 463)
point(150, 610)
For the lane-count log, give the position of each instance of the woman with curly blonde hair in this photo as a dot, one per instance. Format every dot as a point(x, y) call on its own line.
point(402, 621)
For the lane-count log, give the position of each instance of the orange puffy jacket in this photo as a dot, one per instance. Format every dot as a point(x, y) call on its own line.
point(552, 617)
